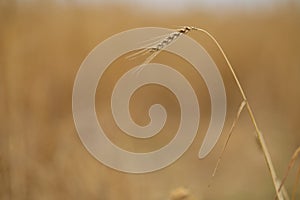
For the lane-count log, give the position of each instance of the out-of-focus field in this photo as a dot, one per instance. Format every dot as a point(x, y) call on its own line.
point(41, 157)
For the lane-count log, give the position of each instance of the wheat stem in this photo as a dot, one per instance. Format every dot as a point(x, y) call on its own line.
point(290, 166)
point(258, 132)
point(242, 106)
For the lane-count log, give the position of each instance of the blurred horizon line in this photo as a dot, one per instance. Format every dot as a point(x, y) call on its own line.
point(171, 6)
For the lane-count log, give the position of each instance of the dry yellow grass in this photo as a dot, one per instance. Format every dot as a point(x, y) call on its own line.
point(41, 156)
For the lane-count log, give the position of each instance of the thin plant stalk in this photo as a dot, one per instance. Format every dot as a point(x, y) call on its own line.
point(228, 138)
point(290, 166)
point(258, 132)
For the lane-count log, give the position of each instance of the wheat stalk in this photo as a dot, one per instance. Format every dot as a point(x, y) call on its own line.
point(250, 112)
point(290, 166)
point(241, 107)
point(185, 30)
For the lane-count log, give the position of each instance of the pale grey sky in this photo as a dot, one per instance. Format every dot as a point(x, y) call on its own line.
point(184, 4)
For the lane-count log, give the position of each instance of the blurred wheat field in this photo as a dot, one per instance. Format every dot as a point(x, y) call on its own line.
point(41, 157)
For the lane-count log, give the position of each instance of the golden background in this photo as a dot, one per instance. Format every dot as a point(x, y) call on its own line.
point(41, 48)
